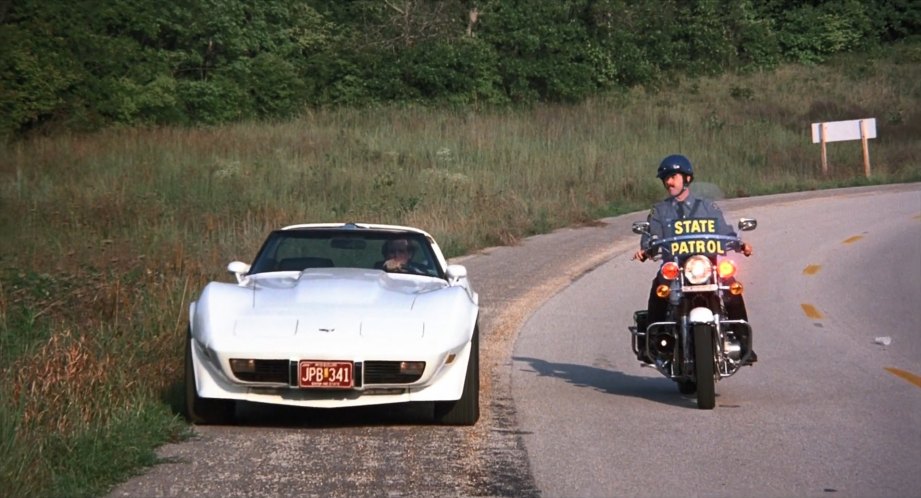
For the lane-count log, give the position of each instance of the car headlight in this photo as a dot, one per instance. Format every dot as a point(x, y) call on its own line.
point(698, 269)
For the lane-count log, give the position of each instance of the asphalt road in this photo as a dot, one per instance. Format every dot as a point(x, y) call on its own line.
point(393, 451)
point(826, 410)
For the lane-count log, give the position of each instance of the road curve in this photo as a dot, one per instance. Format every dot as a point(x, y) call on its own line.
point(827, 409)
point(386, 451)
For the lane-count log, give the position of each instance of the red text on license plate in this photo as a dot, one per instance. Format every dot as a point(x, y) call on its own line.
point(325, 374)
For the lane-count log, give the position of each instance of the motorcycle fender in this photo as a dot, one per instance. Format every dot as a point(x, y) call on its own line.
point(701, 315)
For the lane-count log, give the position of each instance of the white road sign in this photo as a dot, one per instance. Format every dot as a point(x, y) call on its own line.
point(837, 131)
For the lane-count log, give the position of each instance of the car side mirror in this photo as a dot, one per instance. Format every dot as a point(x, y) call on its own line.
point(240, 269)
point(456, 273)
point(640, 227)
point(747, 224)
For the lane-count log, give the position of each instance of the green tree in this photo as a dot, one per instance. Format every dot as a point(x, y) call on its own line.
point(87, 63)
point(83, 64)
point(811, 31)
point(544, 49)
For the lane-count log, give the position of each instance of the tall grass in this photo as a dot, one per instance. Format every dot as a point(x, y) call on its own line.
point(107, 237)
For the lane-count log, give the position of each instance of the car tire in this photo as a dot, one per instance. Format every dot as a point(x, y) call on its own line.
point(466, 410)
point(198, 410)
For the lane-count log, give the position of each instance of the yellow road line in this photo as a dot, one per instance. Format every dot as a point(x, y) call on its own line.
point(812, 269)
point(910, 377)
point(810, 311)
point(852, 239)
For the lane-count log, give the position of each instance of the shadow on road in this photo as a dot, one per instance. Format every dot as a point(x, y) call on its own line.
point(265, 415)
point(659, 390)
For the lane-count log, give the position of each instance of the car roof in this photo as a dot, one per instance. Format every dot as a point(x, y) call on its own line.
point(357, 226)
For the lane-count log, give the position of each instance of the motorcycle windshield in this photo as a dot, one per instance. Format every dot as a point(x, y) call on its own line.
point(695, 236)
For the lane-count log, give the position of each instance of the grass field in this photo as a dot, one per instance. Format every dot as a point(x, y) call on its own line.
point(109, 236)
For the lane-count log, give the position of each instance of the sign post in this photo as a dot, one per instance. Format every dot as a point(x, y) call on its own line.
point(866, 148)
point(836, 131)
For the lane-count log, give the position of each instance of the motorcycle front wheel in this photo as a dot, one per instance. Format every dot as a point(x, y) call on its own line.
point(703, 367)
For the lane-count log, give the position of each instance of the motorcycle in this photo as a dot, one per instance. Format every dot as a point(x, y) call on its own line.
point(698, 343)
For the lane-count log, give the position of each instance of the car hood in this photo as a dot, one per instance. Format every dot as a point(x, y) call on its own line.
point(341, 287)
point(336, 303)
point(330, 308)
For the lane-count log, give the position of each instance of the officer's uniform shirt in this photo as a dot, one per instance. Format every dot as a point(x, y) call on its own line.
point(663, 215)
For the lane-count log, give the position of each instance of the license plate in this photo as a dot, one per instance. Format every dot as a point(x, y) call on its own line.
point(700, 288)
point(325, 374)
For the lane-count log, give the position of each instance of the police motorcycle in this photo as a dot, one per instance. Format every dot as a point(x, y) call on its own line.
point(697, 344)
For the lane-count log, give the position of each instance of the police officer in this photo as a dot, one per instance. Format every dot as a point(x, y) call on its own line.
point(676, 174)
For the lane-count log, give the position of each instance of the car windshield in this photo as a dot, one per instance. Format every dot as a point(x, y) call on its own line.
point(301, 249)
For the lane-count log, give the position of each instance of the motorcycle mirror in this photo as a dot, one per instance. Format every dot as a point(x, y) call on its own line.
point(747, 224)
point(640, 227)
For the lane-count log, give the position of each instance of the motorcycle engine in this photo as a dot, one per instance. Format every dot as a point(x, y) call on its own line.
point(733, 347)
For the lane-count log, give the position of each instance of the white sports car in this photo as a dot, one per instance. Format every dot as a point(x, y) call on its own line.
point(337, 315)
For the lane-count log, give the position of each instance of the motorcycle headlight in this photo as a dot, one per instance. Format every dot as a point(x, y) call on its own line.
point(697, 269)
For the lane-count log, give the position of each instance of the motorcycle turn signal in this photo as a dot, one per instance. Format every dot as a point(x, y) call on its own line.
point(726, 268)
point(670, 270)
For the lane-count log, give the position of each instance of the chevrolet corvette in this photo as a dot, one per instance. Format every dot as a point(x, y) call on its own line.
point(333, 316)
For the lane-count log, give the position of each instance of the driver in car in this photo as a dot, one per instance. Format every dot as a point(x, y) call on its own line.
point(398, 255)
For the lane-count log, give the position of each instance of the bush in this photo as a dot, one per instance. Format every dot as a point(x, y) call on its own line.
point(810, 34)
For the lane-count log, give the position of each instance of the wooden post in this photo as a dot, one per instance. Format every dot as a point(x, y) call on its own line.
point(823, 131)
point(866, 148)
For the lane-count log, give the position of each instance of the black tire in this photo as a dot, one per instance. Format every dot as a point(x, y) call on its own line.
point(703, 367)
point(203, 411)
point(466, 410)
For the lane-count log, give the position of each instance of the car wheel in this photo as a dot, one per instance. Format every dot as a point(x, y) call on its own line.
point(466, 410)
point(203, 411)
